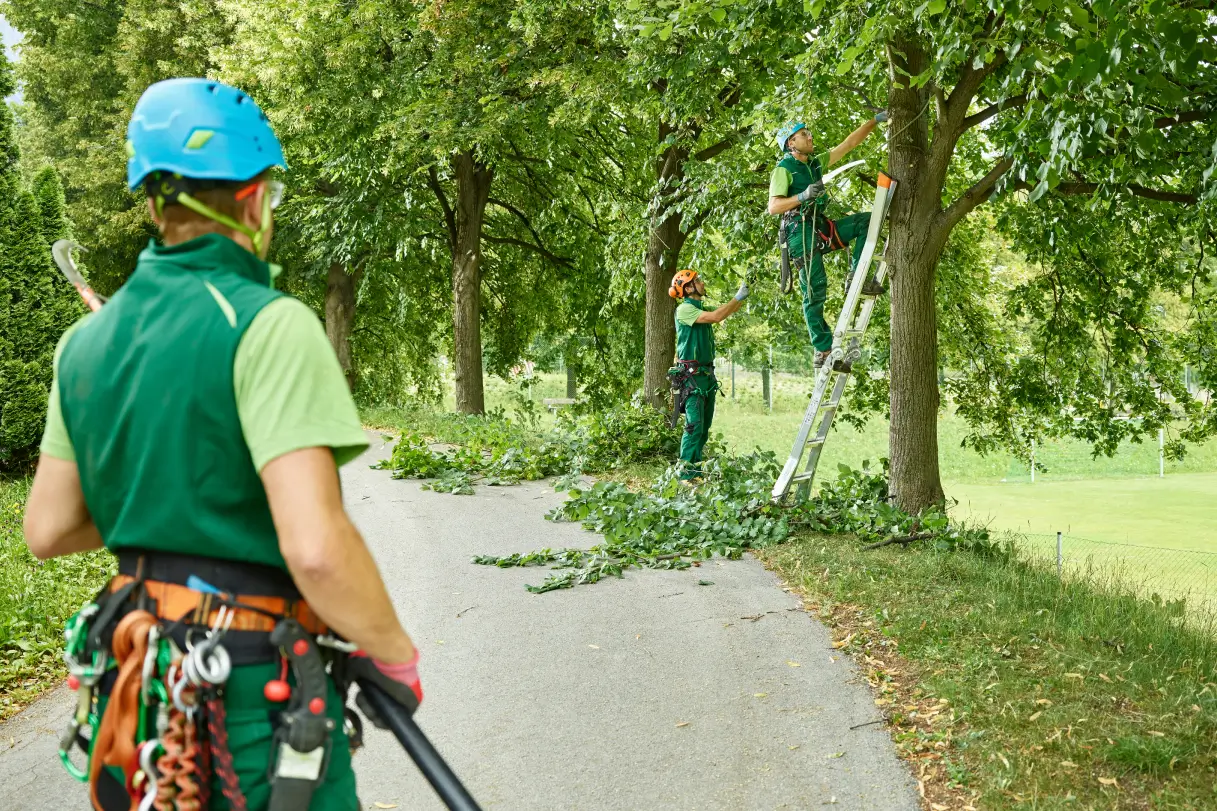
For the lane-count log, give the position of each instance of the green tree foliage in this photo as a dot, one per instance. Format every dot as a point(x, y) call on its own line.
point(425, 141)
point(1103, 100)
point(35, 305)
point(82, 67)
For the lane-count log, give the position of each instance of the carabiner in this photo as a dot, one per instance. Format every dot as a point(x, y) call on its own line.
point(66, 742)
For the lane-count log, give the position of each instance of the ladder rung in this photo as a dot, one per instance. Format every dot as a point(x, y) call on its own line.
point(802, 477)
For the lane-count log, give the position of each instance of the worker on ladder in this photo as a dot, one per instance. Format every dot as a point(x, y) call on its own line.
point(195, 427)
point(694, 386)
point(796, 194)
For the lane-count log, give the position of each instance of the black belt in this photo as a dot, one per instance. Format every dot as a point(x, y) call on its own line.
point(231, 576)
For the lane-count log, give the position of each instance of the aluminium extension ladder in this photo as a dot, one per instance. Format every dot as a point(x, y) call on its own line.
point(846, 348)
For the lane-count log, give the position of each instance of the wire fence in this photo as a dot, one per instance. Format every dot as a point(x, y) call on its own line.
point(1186, 578)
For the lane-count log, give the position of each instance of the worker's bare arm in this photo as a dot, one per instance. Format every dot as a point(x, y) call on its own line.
point(327, 556)
point(57, 520)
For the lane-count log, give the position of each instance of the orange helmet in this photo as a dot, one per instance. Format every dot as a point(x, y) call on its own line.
point(680, 281)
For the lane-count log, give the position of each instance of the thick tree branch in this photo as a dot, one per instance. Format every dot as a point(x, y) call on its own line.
point(976, 195)
point(1183, 118)
point(966, 89)
point(1083, 188)
point(1077, 188)
point(722, 146)
point(449, 216)
point(992, 110)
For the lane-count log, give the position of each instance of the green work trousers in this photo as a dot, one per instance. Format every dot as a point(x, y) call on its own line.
point(699, 416)
point(813, 280)
point(250, 740)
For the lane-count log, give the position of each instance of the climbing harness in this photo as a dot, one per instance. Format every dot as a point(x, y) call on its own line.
point(846, 349)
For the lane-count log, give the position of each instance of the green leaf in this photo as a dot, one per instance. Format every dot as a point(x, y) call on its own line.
point(937, 6)
point(718, 15)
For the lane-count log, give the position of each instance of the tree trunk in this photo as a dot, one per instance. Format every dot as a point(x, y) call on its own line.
point(663, 252)
point(473, 179)
point(915, 241)
point(340, 318)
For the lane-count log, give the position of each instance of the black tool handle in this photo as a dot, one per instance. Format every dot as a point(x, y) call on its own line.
point(438, 773)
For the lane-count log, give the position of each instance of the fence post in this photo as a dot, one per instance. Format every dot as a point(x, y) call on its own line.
point(1161, 453)
point(1059, 556)
point(768, 381)
point(1033, 461)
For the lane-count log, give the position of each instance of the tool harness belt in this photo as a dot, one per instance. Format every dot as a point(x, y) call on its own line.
point(171, 400)
point(806, 234)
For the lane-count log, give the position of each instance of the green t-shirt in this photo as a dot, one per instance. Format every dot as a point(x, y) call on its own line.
point(687, 312)
point(289, 388)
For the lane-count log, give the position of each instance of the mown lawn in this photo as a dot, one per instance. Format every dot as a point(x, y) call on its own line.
point(1008, 689)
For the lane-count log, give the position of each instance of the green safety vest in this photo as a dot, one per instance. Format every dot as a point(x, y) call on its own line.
point(695, 342)
point(802, 175)
point(146, 390)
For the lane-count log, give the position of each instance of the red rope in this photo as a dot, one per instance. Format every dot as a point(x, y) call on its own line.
point(217, 726)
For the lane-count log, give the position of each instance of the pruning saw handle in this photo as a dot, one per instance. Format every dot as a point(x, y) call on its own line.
point(62, 252)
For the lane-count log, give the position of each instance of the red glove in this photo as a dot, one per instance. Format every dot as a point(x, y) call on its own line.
point(400, 681)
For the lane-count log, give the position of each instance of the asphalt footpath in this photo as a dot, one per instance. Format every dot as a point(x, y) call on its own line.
point(647, 692)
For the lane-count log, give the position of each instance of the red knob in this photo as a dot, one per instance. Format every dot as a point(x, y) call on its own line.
point(277, 690)
point(300, 647)
point(73, 683)
point(317, 706)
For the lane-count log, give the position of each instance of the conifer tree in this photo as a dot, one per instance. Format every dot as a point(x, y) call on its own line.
point(35, 306)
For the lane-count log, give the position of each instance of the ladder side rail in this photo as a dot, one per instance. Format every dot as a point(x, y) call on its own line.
point(800, 441)
point(828, 417)
point(854, 294)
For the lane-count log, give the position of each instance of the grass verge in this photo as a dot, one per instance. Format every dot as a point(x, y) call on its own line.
point(1007, 689)
point(36, 598)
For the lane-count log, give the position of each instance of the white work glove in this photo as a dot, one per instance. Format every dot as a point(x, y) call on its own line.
point(743, 292)
point(881, 117)
point(811, 192)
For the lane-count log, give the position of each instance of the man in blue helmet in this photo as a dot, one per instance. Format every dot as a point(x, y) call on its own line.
point(796, 194)
point(195, 428)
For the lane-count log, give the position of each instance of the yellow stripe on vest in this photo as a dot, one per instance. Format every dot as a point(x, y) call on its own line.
point(225, 307)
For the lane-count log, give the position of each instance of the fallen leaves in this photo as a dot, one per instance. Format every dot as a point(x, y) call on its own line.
point(793, 664)
point(680, 724)
point(841, 643)
point(1109, 781)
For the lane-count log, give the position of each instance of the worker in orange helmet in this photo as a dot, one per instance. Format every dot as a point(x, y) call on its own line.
point(694, 386)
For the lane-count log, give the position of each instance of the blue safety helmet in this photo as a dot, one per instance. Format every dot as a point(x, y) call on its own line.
point(786, 131)
point(201, 129)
